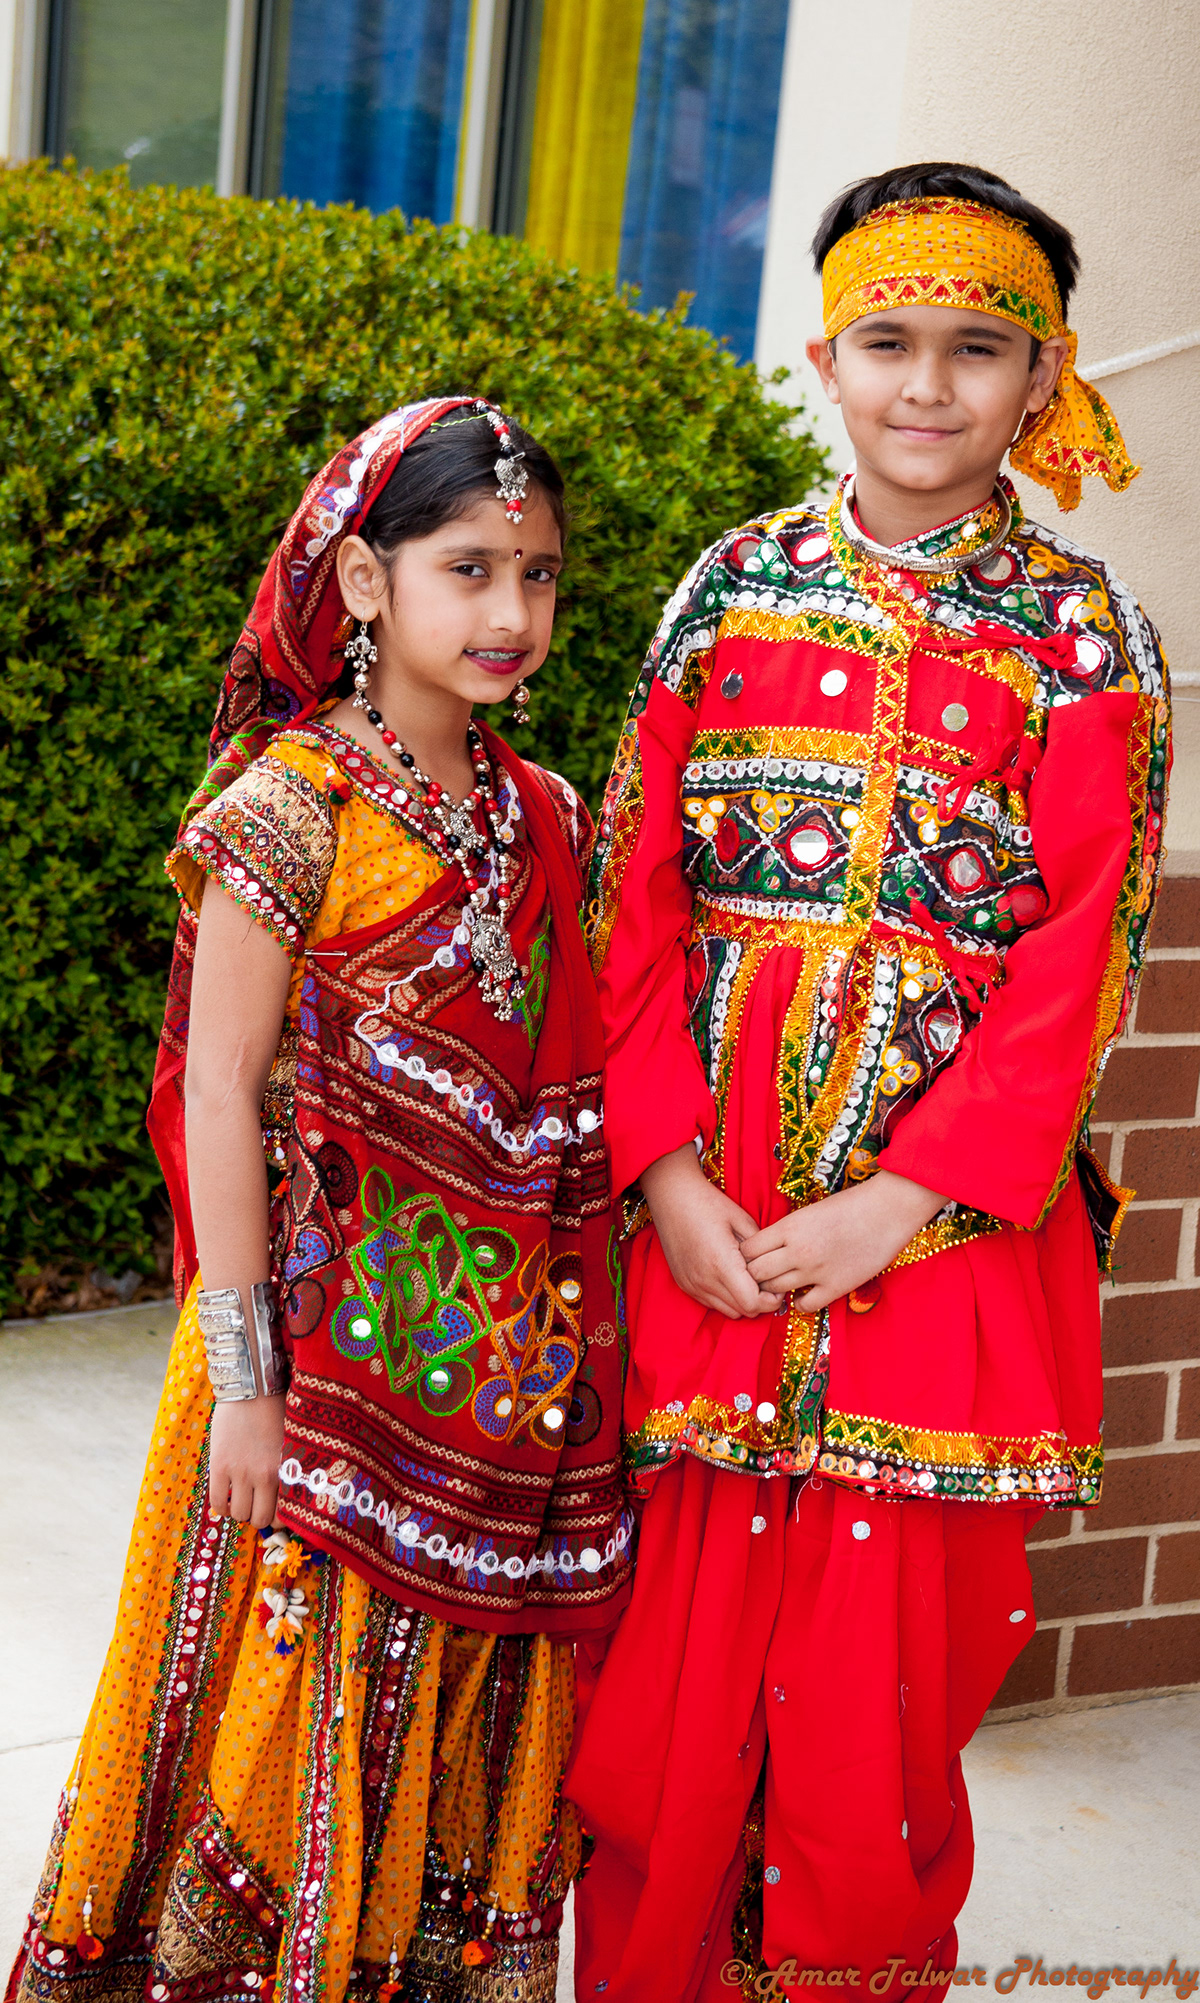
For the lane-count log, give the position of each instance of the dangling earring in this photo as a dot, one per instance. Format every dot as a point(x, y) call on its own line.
point(520, 704)
point(361, 650)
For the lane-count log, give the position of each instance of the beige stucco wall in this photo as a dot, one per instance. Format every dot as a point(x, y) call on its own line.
point(1089, 107)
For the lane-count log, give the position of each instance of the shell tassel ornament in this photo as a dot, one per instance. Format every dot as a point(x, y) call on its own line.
point(87, 1946)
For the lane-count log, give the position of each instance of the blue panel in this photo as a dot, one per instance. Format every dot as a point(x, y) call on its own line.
point(699, 181)
point(373, 103)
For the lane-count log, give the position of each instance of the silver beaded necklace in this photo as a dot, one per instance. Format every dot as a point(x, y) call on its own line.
point(452, 830)
point(913, 560)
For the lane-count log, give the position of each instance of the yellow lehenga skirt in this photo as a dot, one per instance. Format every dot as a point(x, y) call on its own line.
point(293, 1785)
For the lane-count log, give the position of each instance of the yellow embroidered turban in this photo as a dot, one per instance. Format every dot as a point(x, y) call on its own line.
point(939, 251)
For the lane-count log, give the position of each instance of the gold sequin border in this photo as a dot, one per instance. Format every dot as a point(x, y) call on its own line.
point(946, 1234)
point(790, 1068)
point(751, 745)
point(821, 629)
point(810, 1138)
point(713, 917)
point(620, 820)
point(881, 1456)
point(719, 1433)
point(748, 966)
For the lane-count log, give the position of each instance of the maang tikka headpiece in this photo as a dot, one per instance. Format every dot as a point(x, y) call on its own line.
point(510, 471)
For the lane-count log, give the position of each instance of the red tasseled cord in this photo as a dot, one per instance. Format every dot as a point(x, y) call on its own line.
point(970, 973)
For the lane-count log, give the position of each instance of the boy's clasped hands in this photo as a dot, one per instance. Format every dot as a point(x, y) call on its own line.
point(718, 1254)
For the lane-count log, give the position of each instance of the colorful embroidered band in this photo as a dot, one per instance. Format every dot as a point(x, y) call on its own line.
point(944, 252)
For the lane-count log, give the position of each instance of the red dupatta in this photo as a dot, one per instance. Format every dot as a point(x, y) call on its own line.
point(442, 1242)
point(288, 659)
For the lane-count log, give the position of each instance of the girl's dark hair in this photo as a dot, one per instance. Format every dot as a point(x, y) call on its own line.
point(446, 470)
point(948, 177)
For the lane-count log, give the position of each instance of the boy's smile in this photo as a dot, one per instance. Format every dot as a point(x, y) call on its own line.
point(932, 398)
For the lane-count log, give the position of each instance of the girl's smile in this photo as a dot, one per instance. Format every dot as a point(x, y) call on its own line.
point(497, 660)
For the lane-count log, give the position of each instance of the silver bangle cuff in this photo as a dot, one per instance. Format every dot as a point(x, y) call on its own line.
point(231, 1346)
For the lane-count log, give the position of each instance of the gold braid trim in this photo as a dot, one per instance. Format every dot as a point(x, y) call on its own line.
point(832, 747)
point(790, 1066)
point(627, 796)
point(810, 1138)
point(720, 1433)
point(724, 920)
point(916, 748)
point(1038, 1465)
point(946, 1236)
point(1001, 665)
point(520, 1973)
point(930, 1447)
point(751, 961)
point(824, 629)
point(864, 868)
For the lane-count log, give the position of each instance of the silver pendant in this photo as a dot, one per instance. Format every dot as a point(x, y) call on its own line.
point(490, 943)
point(461, 822)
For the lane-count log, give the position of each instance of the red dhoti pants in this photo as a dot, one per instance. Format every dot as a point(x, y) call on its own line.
point(850, 1645)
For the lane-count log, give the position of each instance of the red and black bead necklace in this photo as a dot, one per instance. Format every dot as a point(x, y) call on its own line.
point(451, 829)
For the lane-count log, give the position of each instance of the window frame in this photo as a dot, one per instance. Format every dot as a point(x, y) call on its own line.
point(38, 114)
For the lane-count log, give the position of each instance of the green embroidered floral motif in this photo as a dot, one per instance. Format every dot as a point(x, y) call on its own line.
point(421, 1299)
point(768, 562)
point(537, 983)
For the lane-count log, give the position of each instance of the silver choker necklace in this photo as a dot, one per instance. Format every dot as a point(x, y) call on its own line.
point(903, 559)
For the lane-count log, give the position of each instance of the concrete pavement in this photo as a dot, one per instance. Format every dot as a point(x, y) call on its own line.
point(1087, 1825)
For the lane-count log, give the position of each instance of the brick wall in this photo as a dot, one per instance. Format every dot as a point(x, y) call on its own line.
point(1117, 1588)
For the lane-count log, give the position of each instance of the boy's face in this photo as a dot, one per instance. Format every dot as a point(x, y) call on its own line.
point(933, 397)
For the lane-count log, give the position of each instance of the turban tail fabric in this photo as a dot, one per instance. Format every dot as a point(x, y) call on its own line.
point(939, 251)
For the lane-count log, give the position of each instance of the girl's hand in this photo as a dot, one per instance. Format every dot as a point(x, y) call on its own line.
point(829, 1248)
point(243, 1460)
point(701, 1231)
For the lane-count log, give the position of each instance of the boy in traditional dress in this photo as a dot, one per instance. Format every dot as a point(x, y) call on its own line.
point(875, 874)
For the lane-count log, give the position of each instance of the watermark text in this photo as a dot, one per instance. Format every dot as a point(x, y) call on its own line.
point(1024, 1970)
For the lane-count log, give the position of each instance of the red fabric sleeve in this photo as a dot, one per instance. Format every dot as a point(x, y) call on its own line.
point(657, 1096)
point(995, 1130)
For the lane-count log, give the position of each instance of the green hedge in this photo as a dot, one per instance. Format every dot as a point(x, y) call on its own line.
point(172, 370)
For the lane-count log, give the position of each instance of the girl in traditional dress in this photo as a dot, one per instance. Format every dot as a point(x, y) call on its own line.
point(383, 1493)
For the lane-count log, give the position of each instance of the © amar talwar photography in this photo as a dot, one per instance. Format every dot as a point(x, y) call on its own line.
point(599, 1000)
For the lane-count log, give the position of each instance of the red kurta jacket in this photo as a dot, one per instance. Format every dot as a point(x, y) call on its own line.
point(873, 884)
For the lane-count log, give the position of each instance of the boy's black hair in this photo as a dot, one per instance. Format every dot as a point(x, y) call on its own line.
point(444, 472)
point(948, 177)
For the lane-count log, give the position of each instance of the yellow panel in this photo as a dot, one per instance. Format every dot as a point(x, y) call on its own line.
point(587, 87)
point(468, 109)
